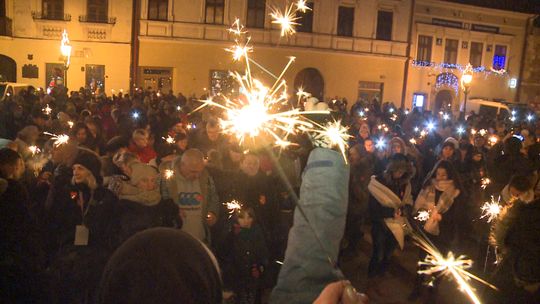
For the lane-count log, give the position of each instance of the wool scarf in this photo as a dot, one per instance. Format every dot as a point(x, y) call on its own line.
point(388, 198)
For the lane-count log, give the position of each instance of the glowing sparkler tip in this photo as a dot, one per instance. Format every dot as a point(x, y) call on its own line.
point(168, 173)
point(491, 209)
point(169, 139)
point(233, 207)
point(34, 150)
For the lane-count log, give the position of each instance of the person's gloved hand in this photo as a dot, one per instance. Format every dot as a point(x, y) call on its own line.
point(341, 292)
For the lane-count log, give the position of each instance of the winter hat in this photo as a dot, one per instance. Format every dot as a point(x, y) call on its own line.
point(400, 142)
point(453, 141)
point(140, 171)
point(91, 162)
point(398, 162)
point(161, 265)
point(115, 143)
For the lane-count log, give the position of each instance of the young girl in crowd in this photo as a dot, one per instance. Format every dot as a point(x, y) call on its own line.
point(245, 258)
point(440, 198)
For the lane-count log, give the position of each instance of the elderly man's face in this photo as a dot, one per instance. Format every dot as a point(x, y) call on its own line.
point(191, 170)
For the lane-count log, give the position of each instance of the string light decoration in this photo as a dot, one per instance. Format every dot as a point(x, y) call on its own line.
point(451, 68)
point(447, 80)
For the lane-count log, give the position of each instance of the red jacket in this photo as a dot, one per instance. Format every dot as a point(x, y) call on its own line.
point(145, 154)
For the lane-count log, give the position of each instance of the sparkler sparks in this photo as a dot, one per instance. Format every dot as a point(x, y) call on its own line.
point(484, 182)
point(436, 264)
point(169, 139)
point(301, 6)
point(34, 150)
point(258, 110)
point(168, 173)
point(47, 110)
point(491, 209)
point(70, 124)
point(286, 20)
point(233, 207)
point(422, 216)
point(58, 139)
point(335, 135)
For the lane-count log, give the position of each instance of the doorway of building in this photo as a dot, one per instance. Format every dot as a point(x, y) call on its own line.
point(8, 69)
point(443, 101)
point(311, 81)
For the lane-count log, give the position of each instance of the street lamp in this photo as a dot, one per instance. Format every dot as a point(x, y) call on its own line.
point(65, 49)
point(466, 80)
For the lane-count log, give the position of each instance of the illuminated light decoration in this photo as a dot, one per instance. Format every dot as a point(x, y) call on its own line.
point(450, 68)
point(467, 76)
point(286, 20)
point(65, 47)
point(491, 209)
point(444, 80)
point(380, 144)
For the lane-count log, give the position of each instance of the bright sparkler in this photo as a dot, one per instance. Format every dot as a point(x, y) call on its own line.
point(422, 216)
point(301, 6)
point(169, 139)
point(482, 132)
point(34, 150)
point(491, 209)
point(412, 141)
point(58, 139)
point(333, 135)
point(436, 264)
point(286, 20)
point(484, 182)
point(168, 173)
point(70, 124)
point(493, 140)
point(233, 207)
point(258, 110)
point(47, 110)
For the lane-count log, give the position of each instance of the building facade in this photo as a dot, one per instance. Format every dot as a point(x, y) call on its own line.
point(409, 52)
point(446, 37)
point(342, 48)
point(99, 32)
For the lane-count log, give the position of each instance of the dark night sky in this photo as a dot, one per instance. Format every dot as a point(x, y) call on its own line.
point(526, 6)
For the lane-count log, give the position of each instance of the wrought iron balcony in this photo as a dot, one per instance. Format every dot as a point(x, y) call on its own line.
point(97, 19)
point(5, 26)
point(51, 16)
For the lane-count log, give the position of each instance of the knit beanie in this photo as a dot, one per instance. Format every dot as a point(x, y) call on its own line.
point(91, 162)
point(161, 265)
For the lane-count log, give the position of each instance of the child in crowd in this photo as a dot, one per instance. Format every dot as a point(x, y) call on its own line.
point(139, 145)
point(246, 257)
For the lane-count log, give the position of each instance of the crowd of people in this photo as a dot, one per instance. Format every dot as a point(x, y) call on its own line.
point(127, 199)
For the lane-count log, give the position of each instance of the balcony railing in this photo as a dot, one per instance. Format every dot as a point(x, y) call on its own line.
point(51, 16)
point(97, 19)
point(5, 26)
